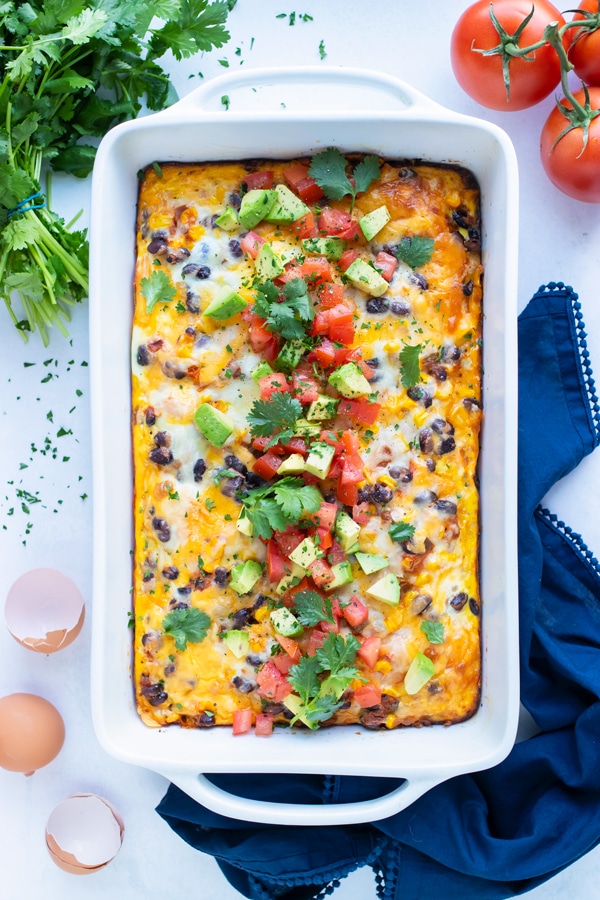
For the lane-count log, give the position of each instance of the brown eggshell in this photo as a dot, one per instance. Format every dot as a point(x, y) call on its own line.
point(32, 732)
point(84, 833)
point(44, 610)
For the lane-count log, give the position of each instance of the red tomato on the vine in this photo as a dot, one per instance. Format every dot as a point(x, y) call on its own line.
point(482, 76)
point(584, 52)
point(572, 169)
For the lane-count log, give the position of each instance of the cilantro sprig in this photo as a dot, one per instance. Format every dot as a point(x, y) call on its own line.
point(409, 365)
point(288, 314)
point(275, 507)
point(415, 251)
point(401, 531)
point(280, 411)
point(158, 288)
point(433, 631)
point(320, 696)
point(186, 626)
point(311, 608)
point(328, 168)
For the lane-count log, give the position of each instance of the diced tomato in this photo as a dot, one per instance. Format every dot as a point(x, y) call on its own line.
point(259, 337)
point(324, 536)
point(287, 541)
point(275, 383)
point(368, 695)
point(336, 554)
point(251, 243)
point(260, 443)
point(355, 612)
point(270, 351)
point(331, 438)
point(259, 180)
point(294, 174)
point(324, 354)
point(266, 466)
point(282, 662)
point(303, 585)
point(304, 388)
point(325, 516)
point(305, 227)
point(328, 627)
point(347, 354)
point(334, 221)
point(291, 647)
point(347, 494)
point(350, 233)
point(321, 573)
point(360, 410)
point(360, 513)
point(351, 442)
point(341, 314)
point(271, 683)
point(335, 469)
point(242, 721)
point(309, 190)
point(369, 650)
point(296, 445)
point(276, 562)
point(351, 472)
point(321, 323)
point(347, 258)
point(264, 725)
point(387, 263)
point(315, 641)
point(342, 333)
point(309, 478)
point(292, 271)
point(316, 270)
point(330, 294)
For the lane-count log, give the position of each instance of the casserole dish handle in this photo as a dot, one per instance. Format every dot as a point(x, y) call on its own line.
point(199, 788)
point(304, 88)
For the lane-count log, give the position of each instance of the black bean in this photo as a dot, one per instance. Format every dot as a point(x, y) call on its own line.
point(154, 693)
point(169, 669)
point(438, 371)
point(400, 473)
point(253, 659)
point(203, 272)
point(471, 403)
point(426, 440)
point(150, 416)
point(406, 174)
point(162, 439)
point(438, 424)
point(148, 576)
point(420, 603)
point(162, 529)
point(152, 640)
point(143, 355)
point(423, 498)
point(190, 269)
point(374, 363)
point(450, 353)
point(235, 248)
point(253, 480)
point(419, 393)
point(177, 255)
point(460, 220)
point(243, 685)
point(172, 370)
point(157, 247)
point(474, 606)
point(400, 308)
point(221, 576)
point(162, 456)
point(430, 464)
point(419, 280)
point(202, 340)
point(468, 288)
point(458, 601)
point(328, 497)
point(232, 462)
point(205, 720)
point(185, 591)
point(192, 302)
point(446, 506)
point(377, 305)
point(170, 572)
point(382, 493)
point(243, 617)
point(446, 446)
point(199, 469)
point(210, 221)
point(160, 234)
point(261, 600)
point(474, 239)
point(190, 330)
point(365, 494)
point(234, 200)
point(434, 687)
point(230, 486)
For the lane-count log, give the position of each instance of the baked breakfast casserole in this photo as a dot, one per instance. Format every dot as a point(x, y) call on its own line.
point(306, 413)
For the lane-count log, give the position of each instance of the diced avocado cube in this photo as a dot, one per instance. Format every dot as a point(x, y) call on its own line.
point(342, 574)
point(324, 407)
point(387, 589)
point(285, 622)
point(371, 562)
point(296, 574)
point(287, 207)
point(346, 530)
point(255, 206)
point(318, 461)
point(329, 247)
point(268, 265)
point(366, 279)
point(304, 428)
point(293, 465)
point(262, 369)
point(224, 307)
point(214, 424)
point(305, 553)
point(290, 355)
point(228, 220)
point(244, 525)
point(373, 222)
point(244, 576)
point(349, 381)
point(420, 671)
point(238, 642)
point(294, 704)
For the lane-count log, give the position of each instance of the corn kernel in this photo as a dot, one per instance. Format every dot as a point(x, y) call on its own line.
point(421, 416)
point(393, 621)
point(177, 242)
point(392, 346)
point(390, 721)
point(196, 232)
point(383, 666)
point(188, 216)
point(255, 645)
point(422, 579)
point(160, 220)
point(385, 479)
point(261, 613)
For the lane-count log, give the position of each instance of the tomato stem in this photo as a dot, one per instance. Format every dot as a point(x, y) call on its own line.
point(578, 115)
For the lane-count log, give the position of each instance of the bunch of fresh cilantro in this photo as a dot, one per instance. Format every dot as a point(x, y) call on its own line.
point(69, 71)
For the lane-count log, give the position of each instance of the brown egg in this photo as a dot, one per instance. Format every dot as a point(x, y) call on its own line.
point(32, 732)
point(44, 610)
point(84, 833)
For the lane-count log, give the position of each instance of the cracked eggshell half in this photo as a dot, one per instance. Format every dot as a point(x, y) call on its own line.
point(84, 833)
point(44, 610)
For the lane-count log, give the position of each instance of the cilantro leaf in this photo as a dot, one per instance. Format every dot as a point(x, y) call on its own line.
point(328, 168)
point(224, 473)
point(337, 652)
point(186, 626)
point(409, 362)
point(274, 507)
point(415, 251)
point(434, 631)
point(280, 410)
point(311, 608)
point(322, 708)
point(303, 678)
point(158, 288)
point(296, 500)
point(286, 314)
point(198, 26)
point(401, 531)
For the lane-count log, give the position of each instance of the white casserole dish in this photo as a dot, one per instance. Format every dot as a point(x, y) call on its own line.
point(373, 114)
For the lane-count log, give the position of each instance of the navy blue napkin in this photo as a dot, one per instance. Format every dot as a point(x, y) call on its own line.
point(498, 833)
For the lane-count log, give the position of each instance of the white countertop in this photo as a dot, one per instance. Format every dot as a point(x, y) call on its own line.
point(558, 241)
